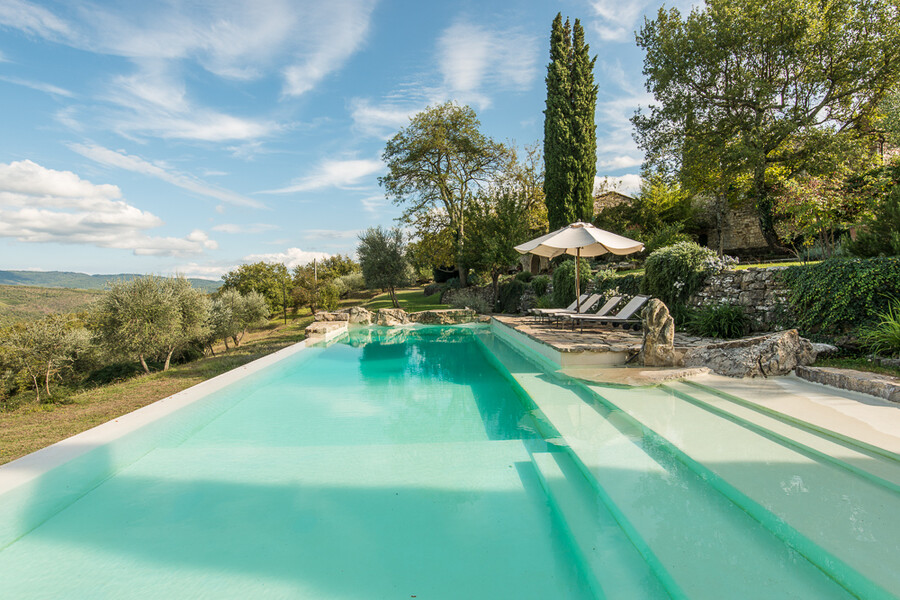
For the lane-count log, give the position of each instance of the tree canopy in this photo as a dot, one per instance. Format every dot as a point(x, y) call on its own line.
point(382, 256)
point(435, 166)
point(570, 135)
point(749, 90)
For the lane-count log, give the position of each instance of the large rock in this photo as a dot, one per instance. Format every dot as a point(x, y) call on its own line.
point(658, 346)
point(449, 316)
point(774, 354)
point(391, 317)
point(332, 316)
point(360, 315)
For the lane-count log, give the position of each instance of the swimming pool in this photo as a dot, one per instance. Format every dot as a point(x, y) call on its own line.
point(439, 462)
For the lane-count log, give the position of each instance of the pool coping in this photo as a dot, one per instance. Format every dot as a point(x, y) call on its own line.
point(25, 469)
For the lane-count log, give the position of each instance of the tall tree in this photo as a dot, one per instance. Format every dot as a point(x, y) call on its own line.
point(749, 89)
point(570, 134)
point(382, 257)
point(438, 162)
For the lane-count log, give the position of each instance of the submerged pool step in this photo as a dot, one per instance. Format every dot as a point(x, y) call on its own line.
point(696, 541)
point(613, 566)
point(829, 513)
point(880, 467)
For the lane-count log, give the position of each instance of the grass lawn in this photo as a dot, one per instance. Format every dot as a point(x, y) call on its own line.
point(411, 300)
point(858, 364)
point(31, 427)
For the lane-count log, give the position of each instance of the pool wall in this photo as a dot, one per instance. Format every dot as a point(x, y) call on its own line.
point(38, 485)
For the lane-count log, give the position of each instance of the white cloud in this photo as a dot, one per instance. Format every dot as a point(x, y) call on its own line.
point(626, 184)
point(44, 205)
point(292, 257)
point(383, 120)
point(330, 235)
point(617, 19)
point(473, 59)
point(33, 19)
point(374, 204)
point(38, 85)
point(333, 173)
point(245, 228)
point(136, 164)
point(621, 161)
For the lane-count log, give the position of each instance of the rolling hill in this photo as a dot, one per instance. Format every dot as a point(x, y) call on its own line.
point(82, 281)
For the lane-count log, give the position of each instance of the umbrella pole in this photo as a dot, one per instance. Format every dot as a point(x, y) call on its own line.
point(577, 280)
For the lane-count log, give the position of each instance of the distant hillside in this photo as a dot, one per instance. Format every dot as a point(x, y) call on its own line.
point(82, 281)
point(23, 303)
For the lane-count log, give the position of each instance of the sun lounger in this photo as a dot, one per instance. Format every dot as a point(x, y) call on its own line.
point(600, 312)
point(544, 312)
point(623, 318)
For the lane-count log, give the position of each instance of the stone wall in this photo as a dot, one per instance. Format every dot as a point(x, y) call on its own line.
point(757, 290)
point(740, 231)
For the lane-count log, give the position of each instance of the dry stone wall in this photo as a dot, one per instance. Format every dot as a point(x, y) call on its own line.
point(758, 290)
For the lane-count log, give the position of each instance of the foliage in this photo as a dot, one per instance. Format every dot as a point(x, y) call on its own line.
point(261, 277)
point(564, 281)
point(733, 82)
point(814, 210)
point(495, 226)
point(540, 285)
point(884, 336)
point(524, 276)
point(233, 313)
point(511, 294)
point(382, 256)
point(666, 235)
point(880, 236)
point(470, 298)
point(545, 301)
point(726, 321)
point(354, 282)
point(26, 302)
point(438, 162)
point(332, 267)
point(838, 295)
point(675, 272)
point(608, 281)
point(570, 142)
point(40, 349)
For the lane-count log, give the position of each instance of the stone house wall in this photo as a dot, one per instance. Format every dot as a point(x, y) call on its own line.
point(739, 232)
point(757, 290)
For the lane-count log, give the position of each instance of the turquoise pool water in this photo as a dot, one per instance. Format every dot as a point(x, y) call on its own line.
point(446, 463)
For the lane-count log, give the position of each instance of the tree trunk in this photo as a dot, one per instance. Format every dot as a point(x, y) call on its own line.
point(168, 359)
point(37, 389)
point(763, 204)
point(394, 300)
point(144, 364)
point(225, 339)
point(47, 377)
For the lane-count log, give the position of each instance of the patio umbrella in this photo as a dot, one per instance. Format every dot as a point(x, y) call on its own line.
point(579, 239)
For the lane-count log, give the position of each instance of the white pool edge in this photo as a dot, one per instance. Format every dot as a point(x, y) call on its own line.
point(23, 470)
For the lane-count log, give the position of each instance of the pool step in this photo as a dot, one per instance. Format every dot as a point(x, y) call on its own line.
point(614, 568)
point(880, 467)
point(830, 513)
point(695, 540)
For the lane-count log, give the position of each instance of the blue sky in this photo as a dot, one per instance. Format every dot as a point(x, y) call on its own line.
point(162, 137)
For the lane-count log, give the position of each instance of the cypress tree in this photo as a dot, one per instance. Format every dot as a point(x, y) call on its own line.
point(558, 157)
point(584, 130)
point(570, 140)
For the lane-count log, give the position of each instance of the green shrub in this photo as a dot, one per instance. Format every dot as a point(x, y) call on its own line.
point(721, 321)
point(838, 295)
point(524, 276)
point(354, 282)
point(564, 281)
point(540, 285)
point(884, 337)
point(675, 272)
point(545, 301)
point(667, 235)
point(470, 298)
point(625, 285)
point(509, 297)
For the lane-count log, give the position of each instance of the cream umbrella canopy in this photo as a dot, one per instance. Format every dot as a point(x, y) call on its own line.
point(579, 239)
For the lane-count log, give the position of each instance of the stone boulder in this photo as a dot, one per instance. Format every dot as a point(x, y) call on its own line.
point(449, 316)
point(332, 316)
point(319, 328)
point(360, 316)
point(391, 316)
point(775, 354)
point(658, 347)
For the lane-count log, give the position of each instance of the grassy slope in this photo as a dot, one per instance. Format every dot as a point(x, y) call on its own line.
point(21, 303)
point(32, 427)
point(411, 300)
point(83, 281)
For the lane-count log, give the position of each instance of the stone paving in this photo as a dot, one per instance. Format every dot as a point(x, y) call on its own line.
point(592, 339)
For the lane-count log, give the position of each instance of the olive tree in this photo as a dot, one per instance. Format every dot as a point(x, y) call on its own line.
point(382, 256)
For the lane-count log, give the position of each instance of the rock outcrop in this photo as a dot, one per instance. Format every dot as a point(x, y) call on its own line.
point(775, 354)
point(360, 316)
point(450, 316)
point(658, 346)
point(391, 316)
